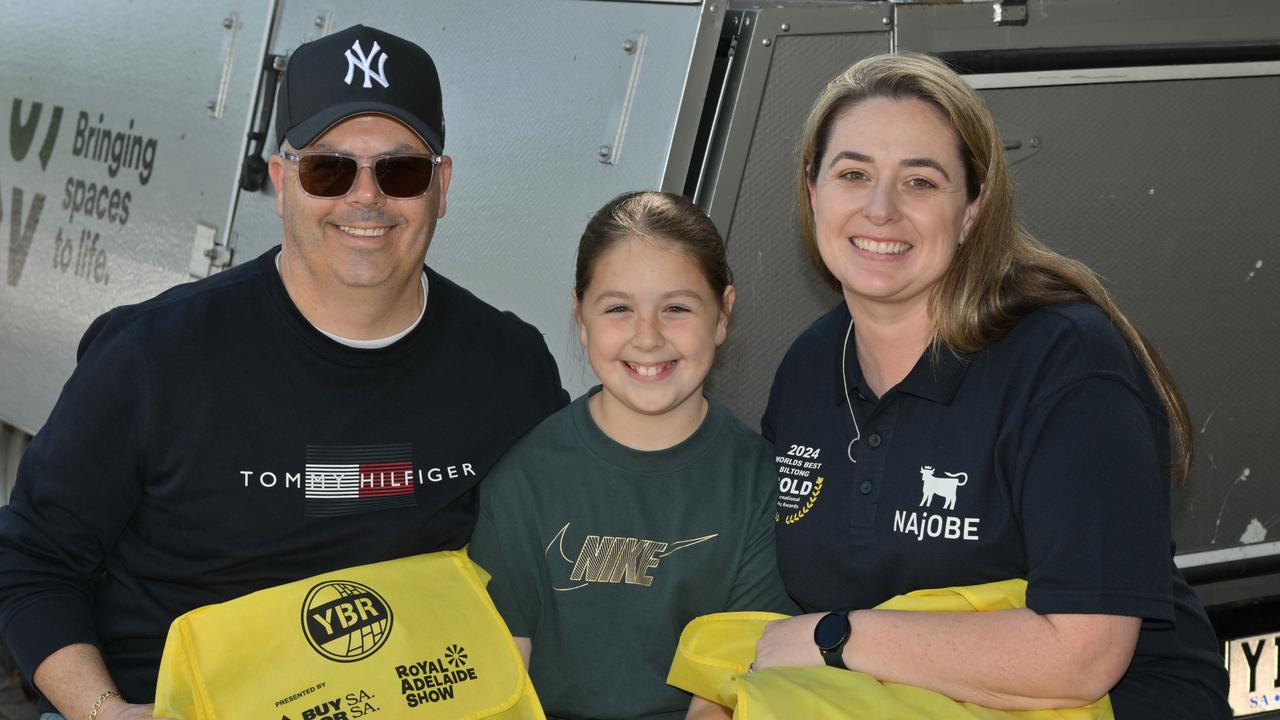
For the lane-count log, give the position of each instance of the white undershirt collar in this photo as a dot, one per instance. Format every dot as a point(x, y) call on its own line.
point(377, 342)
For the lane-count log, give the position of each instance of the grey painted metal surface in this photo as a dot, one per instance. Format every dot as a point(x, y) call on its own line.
point(531, 93)
point(121, 127)
point(12, 444)
point(954, 26)
point(1140, 181)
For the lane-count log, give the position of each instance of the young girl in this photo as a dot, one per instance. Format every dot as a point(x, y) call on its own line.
point(644, 504)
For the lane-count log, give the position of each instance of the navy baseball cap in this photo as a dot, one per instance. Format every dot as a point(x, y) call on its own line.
point(358, 70)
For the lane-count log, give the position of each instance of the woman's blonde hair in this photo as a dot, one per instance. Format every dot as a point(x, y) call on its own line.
point(1000, 273)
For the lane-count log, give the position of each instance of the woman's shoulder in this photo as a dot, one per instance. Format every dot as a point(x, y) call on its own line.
point(1075, 340)
point(1082, 327)
point(813, 343)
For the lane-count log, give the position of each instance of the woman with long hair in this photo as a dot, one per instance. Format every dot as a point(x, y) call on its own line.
point(976, 409)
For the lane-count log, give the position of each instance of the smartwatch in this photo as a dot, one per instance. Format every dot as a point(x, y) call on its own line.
point(830, 635)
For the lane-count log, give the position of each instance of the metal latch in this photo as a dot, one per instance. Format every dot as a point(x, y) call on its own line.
point(1010, 12)
point(207, 255)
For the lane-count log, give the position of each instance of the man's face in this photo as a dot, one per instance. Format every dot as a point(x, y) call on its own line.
point(363, 239)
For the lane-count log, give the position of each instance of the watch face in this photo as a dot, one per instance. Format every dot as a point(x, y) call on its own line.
point(832, 630)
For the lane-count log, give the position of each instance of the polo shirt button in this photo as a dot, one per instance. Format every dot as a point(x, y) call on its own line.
point(865, 487)
point(874, 440)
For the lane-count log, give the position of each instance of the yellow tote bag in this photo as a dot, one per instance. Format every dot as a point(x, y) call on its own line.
point(416, 637)
point(714, 652)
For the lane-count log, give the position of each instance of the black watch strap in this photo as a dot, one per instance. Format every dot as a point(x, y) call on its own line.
point(830, 635)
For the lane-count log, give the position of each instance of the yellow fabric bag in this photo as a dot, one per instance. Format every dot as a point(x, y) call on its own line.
point(714, 652)
point(416, 637)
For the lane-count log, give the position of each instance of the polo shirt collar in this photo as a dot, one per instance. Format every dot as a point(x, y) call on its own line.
point(936, 381)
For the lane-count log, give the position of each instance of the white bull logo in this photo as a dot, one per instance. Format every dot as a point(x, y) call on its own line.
point(944, 486)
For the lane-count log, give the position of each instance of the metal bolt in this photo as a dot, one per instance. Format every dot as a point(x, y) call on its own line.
point(628, 46)
point(228, 23)
point(605, 151)
point(212, 105)
point(319, 21)
point(713, 8)
point(1035, 141)
point(786, 27)
point(766, 42)
point(885, 20)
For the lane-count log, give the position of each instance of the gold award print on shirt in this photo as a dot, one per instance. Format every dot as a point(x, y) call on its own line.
point(799, 484)
point(612, 559)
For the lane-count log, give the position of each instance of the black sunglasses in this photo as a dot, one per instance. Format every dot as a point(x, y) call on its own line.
point(333, 174)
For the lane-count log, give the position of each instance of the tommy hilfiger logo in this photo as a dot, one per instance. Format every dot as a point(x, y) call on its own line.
point(362, 61)
point(611, 559)
point(347, 479)
point(944, 486)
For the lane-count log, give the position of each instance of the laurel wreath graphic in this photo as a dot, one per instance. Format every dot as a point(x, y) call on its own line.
point(813, 497)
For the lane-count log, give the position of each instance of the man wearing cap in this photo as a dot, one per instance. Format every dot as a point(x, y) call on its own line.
point(331, 403)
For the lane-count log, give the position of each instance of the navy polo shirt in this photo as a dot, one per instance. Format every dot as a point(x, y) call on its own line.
point(1044, 456)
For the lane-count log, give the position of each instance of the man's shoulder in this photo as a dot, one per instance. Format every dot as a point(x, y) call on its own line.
point(477, 318)
point(181, 309)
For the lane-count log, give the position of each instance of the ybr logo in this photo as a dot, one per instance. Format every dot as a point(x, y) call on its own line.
point(944, 486)
point(345, 621)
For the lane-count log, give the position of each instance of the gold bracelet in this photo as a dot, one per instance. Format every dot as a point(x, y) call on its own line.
point(97, 704)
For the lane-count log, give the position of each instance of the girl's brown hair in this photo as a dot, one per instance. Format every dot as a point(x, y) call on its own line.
point(659, 216)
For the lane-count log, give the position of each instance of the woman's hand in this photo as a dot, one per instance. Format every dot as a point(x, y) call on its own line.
point(115, 709)
point(703, 709)
point(789, 643)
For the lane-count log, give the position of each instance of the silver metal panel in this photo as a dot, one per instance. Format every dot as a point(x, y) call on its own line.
point(530, 91)
point(1094, 76)
point(179, 79)
point(750, 189)
point(954, 26)
point(13, 442)
point(1166, 189)
point(757, 33)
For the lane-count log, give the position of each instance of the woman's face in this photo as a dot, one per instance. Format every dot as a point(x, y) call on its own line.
point(889, 201)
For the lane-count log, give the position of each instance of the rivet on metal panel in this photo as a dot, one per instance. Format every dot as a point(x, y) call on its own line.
point(319, 21)
point(228, 23)
point(713, 8)
point(604, 152)
point(628, 46)
point(1035, 141)
point(766, 42)
point(786, 27)
point(886, 20)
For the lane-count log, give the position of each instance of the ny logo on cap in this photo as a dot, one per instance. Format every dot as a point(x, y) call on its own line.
point(359, 59)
